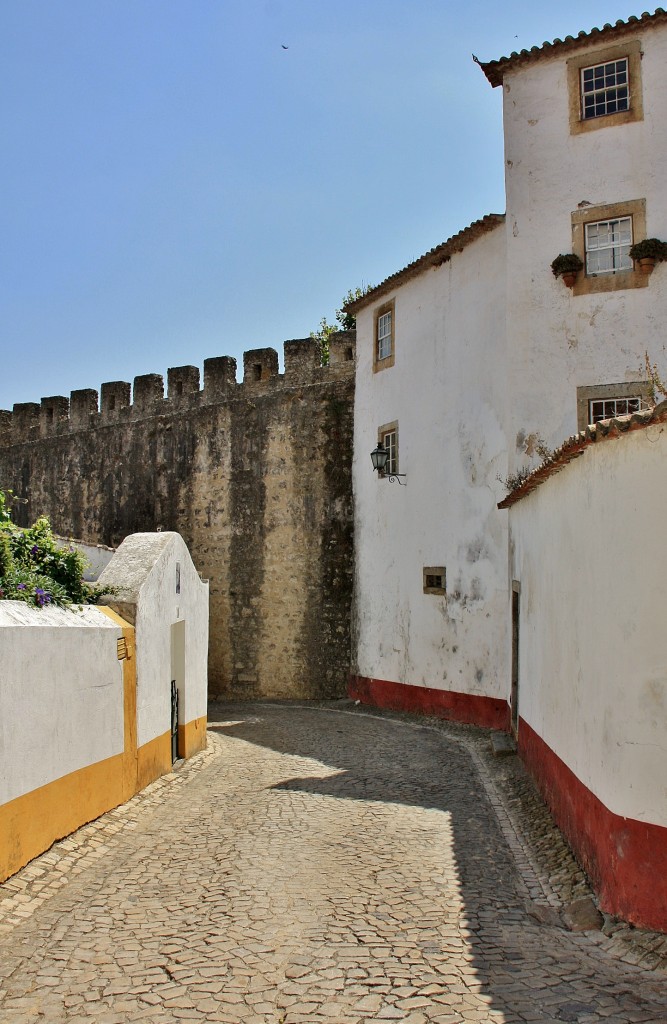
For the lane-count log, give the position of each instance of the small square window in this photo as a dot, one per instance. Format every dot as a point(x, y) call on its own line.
point(434, 579)
point(383, 343)
point(610, 408)
point(604, 89)
point(602, 237)
point(597, 402)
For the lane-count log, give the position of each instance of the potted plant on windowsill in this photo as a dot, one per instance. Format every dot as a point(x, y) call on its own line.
point(567, 265)
point(647, 253)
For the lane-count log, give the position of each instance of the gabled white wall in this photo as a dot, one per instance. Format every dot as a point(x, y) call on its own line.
point(144, 568)
point(447, 390)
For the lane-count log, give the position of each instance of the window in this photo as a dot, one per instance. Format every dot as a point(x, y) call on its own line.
point(608, 408)
point(389, 441)
point(435, 579)
point(384, 335)
point(383, 352)
point(605, 87)
point(602, 237)
point(607, 244)
point(603, 401)
point(388, 435)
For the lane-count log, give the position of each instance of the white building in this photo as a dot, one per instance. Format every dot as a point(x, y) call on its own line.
point(475, 358)
point(474, 354)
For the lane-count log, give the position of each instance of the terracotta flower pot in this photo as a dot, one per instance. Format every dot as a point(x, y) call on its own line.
point(646, 265)
point(569, 277)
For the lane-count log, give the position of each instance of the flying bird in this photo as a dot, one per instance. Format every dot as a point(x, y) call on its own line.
point(284, 47)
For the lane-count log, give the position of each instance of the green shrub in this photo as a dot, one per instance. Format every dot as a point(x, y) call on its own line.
point(35, 568)
point(566, 263)
point(648, 248)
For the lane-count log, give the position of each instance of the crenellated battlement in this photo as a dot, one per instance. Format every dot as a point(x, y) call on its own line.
point(120, 400)
point(257, 478)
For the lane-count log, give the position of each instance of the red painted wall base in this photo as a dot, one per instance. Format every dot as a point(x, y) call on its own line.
point(625, 859)
point(471, 709)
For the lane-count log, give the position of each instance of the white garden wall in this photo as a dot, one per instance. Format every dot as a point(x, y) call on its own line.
point(67, 750)
point(61, 699)
point(589, 550)
point(85, 698)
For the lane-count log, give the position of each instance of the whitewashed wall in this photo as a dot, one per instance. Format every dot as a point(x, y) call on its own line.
point(589, 548)
point(490, 350)
point(447, 390)
point(144, 570)
point(61, 694)
point(559, 340)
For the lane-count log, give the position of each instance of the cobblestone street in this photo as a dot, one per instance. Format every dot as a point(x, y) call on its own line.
point(312, 865)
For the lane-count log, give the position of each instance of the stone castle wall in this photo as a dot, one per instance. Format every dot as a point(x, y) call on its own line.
point(256, 477)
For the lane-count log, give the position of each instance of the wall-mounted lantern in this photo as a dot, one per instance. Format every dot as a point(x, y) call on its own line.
point(379, 457)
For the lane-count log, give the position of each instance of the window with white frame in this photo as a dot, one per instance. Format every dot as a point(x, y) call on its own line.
point(607, 244)
point(597, 402)
point(383, 351)
point(605, 89)
point(602, 237)
point(609, 408)
point(384, 335)
point(388, 437)
point(389, 440)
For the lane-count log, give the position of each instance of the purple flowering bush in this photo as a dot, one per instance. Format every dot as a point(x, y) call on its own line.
point(36, 569)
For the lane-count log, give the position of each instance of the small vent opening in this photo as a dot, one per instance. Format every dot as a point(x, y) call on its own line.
point(435, 579)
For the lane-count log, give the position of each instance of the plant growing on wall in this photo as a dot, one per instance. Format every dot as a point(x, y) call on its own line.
point(656, 384)
point(344, 322)
point(36, 568)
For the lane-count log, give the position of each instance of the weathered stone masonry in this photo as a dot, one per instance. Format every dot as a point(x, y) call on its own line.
point(255, 476)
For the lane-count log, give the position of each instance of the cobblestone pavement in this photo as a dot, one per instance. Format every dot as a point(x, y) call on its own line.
point(311, 866)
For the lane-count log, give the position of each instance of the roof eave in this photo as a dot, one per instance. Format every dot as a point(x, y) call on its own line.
point(595, 433)
point(434, 258)
point(495, 70)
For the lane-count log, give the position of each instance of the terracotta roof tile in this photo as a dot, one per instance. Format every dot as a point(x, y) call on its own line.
point(495, 69)
point(440, 254)
point(576, 445)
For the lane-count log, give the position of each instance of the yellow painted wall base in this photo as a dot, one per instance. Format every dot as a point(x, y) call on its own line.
point(192, 737)
point(31, 823)
point(153, 760)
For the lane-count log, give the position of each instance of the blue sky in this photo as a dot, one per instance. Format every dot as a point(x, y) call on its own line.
point(176, 185)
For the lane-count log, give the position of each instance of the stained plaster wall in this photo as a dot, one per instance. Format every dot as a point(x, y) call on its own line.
point(254, 476)
point(447, 392)
point(490, 350)
point(561, 340)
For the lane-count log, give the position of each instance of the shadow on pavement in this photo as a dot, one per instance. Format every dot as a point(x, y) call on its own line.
point(528, 971)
